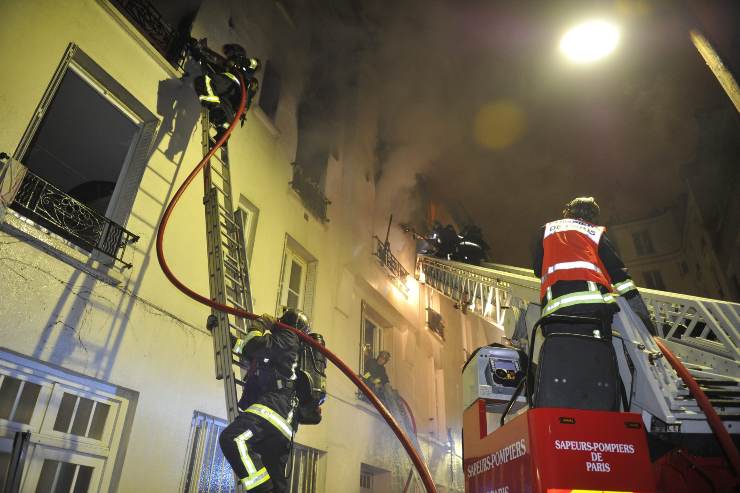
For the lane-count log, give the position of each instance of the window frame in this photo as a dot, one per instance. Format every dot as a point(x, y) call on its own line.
point(132, 169)
point(643, 242)
point(293, 250)
point(367, 315)
point(54, 381)
point(248, 214)
point(274, 91)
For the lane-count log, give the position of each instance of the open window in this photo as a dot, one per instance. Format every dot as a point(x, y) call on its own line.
point(86, 149)
point(297, 279)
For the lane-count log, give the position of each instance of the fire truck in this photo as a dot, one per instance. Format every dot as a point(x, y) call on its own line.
point(628, 412)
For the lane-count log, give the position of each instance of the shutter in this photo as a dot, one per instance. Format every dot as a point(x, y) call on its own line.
point(310, 290)
point(130, 180)
point(278, 304)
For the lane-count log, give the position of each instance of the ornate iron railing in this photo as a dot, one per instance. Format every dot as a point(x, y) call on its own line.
point(46, 205)
point(168, 41)
point(391, 263)
point(310, 193)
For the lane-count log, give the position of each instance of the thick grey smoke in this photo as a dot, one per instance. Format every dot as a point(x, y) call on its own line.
point(478, 100)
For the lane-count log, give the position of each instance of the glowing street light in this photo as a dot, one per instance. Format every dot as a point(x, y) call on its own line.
point(590, 41)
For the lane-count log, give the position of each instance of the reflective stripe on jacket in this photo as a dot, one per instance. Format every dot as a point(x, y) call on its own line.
point(571, 253)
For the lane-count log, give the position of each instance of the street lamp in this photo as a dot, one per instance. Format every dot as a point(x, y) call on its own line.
point(589, 41)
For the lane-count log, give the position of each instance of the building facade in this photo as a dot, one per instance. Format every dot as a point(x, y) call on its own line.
point(673, 251)
point(102, 360)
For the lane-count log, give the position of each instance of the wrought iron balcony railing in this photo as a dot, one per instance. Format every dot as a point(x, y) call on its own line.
point(310, 192)
point(46, 205)
point(168, 41)
point(391, 263)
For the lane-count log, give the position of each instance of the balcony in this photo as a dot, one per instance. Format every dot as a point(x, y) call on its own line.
point(310, 193)
point(47, 206)
point(391, 264)
point(168, 41)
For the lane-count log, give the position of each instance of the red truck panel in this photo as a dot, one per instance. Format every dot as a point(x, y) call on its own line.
point(550, 450)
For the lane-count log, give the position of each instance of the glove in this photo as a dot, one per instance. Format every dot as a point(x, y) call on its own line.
point(638, 306)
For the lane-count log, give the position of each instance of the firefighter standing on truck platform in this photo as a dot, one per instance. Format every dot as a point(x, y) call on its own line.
point(219, 88)
point(581, 271)
point(258, 442)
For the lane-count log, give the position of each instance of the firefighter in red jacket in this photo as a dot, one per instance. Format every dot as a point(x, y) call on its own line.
point(581, 272)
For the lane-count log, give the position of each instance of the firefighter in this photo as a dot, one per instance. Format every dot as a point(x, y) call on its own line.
point(257, 443)
point(447, 241)
point(219, 88)
point(472, 247)
point(375, 374)
point(581, 272)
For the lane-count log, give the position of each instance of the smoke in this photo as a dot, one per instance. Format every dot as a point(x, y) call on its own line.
point(477, 100)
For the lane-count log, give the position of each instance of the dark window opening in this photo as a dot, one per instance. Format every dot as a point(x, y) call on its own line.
point(82, 143)
point(270, 91)
point(86, 148)
point(653, 279)
point(643, 243)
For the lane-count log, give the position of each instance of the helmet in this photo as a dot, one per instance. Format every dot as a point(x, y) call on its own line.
point(584, 208)
point(384, 354)
point(297, 319)
point(234, 50)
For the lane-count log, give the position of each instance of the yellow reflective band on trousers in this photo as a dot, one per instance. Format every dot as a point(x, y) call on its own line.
point(210, 97)
point(241, 445)
point(577, 298)
point(624, 286)
point(256, 479)
point(273, 418)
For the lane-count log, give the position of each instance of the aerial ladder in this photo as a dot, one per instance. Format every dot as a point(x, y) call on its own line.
point(684, 384)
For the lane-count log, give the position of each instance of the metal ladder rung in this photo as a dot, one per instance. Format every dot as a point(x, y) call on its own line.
point(224, 193)
point(237, 329)
point(236, 281)
point(228, 218)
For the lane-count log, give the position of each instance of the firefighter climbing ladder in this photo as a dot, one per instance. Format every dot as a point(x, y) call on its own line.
point(228, 272)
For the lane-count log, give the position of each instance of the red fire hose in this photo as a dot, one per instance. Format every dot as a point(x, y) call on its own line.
point(701, 398)
point(424, 473)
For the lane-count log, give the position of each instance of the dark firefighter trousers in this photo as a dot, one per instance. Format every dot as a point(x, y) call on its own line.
point(257, 443)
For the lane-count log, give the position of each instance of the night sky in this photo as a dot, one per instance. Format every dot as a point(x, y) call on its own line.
point(478, 100)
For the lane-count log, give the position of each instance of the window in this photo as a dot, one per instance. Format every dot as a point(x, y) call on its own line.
point(89, 140)
point(208, 471)
point(653, 279)
point(76, 425)
point(374, 480)
point(206, 468)
point(307, 470)
point(370, 336)
point(270, 90)
point(248, 214)
point(433, 317)
point(297, 279)
point(643, 243)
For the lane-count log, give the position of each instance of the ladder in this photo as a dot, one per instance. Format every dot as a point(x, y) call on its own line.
point(703, 333)
point(228, 272)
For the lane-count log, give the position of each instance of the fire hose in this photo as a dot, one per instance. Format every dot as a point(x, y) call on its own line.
point(422, 469)
point(715, 423)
